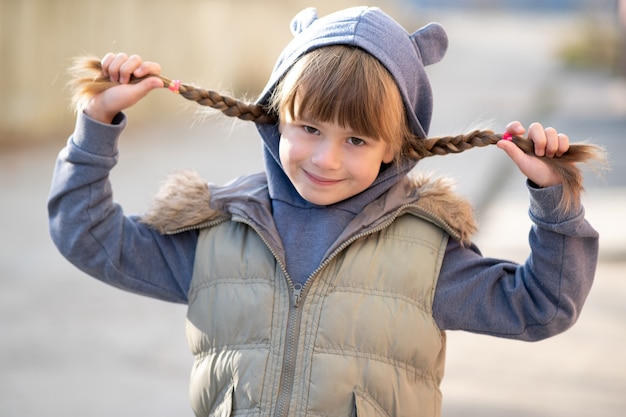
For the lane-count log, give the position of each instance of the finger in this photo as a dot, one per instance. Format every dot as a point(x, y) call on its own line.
point(105, 62)
point(563, 144)
point(128, 67)
point(552, 142)
point(515, 128)
point(538, 135)
point(115, 65)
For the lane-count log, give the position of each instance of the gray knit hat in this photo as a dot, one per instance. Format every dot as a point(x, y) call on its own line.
point(369, 28)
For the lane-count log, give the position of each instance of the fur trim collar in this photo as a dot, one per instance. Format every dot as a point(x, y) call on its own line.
point(184, 201)
point(436, 196)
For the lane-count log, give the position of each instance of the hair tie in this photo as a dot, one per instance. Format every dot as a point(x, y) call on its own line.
point(507, 136)
point(174, 86)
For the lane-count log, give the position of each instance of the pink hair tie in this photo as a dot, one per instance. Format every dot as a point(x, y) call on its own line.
point(175, 86)
point(507, 136)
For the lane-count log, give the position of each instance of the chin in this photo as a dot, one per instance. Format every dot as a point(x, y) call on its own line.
point(319, 200)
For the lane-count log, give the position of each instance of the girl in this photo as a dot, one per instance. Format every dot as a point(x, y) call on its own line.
point(324, 285)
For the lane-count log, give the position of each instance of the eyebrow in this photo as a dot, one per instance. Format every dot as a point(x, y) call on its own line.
point(303, 118)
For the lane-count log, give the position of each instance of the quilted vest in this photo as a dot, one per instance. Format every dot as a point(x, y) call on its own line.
point(358, 339)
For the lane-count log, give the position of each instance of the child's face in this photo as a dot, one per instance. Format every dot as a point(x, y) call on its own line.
point(327, 163)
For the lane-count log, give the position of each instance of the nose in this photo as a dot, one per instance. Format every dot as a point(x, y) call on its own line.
point(327, 155)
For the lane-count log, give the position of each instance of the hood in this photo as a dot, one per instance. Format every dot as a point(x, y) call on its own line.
point(369, 28)
point(404, 55)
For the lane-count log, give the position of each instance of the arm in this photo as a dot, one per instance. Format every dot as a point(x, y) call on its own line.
point(91, 230)
point(533, 301)
point(93, 233)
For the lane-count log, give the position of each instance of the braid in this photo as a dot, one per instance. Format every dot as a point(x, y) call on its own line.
point(457, 144)
point(564, 165)
point(88, 81)
point(229, 106)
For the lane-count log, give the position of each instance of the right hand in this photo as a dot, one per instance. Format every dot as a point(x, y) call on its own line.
point(119, 68)
point(547, 142)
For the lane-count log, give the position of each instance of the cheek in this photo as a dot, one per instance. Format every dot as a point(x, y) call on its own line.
point(286, 151)
point(366, 169)
point(370, 172)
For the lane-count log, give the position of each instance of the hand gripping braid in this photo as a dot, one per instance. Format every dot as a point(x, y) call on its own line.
point(88, 81)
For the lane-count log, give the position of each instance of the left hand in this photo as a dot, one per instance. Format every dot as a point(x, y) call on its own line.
point(548, 142)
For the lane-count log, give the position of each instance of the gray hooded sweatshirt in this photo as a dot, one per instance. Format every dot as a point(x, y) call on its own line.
point(532, 301)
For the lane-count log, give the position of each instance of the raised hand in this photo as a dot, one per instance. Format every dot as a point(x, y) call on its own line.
point(119, 68)
point(547, 143)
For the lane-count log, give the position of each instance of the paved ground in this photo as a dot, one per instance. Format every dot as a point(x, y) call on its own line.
point(71, 346)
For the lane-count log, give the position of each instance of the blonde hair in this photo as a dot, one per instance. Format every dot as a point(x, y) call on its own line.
point(346, 85)
point(361, 103)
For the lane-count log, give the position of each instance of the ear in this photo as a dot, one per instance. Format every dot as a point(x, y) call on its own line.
point(303, 20)
point(431, 42)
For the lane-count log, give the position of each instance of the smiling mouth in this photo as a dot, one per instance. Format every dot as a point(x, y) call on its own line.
point(320, 180)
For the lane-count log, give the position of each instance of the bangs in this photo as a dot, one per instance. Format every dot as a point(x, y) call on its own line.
point(344, 85)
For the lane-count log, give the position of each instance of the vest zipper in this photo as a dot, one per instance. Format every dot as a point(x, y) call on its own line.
point(297, 294)
point(287, 374)
point(288, 371)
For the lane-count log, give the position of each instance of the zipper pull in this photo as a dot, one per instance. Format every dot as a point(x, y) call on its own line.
point(297, 294)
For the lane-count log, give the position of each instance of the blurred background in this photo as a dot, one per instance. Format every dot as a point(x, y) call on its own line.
point(70, 345)
point(217, 44)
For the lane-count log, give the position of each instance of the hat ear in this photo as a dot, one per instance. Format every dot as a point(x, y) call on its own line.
point(431, 42)
point(303, 20)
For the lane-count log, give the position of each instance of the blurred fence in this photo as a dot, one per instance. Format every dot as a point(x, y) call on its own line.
point(219, 44)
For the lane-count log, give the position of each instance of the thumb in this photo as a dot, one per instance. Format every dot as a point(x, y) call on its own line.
point(106, 105)
point(513, 151)
point(126, 95)
point(529, 165)
point(142, 88)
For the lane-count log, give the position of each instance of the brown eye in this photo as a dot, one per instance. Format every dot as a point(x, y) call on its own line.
point(356, 141)
point(310, 130)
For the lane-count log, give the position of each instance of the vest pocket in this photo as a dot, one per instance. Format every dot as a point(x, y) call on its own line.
point(366, 406)
point(223, 406)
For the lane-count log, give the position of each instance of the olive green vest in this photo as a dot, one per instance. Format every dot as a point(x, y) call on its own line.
point(358, 339)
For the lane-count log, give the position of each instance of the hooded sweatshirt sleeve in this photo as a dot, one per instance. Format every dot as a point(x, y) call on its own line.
point(532, 301)
point(93, 233)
